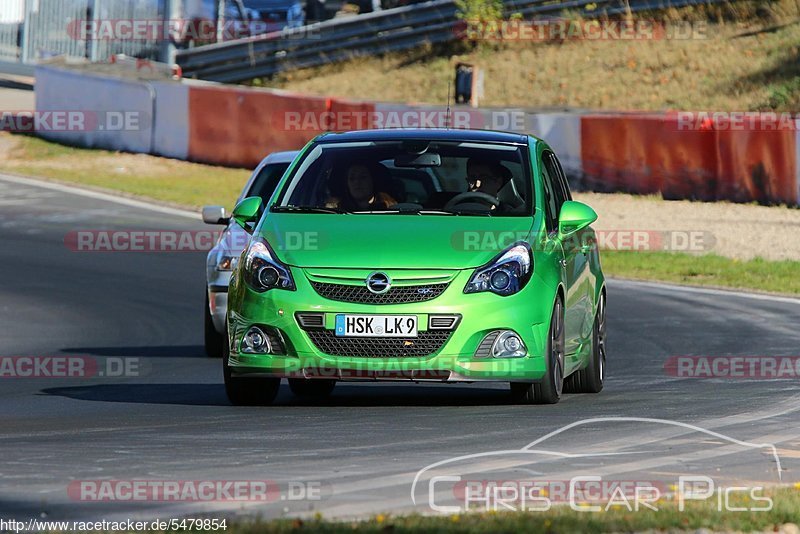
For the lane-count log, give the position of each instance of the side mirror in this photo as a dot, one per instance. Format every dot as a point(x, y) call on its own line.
point(247, 212)
point(215, 215)
point(574, 216)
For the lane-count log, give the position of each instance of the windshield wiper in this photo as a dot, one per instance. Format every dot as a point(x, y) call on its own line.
point(405, 212)
point(469, 212)
point(304, 209)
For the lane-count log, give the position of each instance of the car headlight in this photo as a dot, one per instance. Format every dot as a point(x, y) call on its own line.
point(506, 274)
point(262, 271)
point(226, 263)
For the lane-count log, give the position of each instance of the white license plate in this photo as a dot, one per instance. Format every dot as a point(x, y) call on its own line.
point(376, 325)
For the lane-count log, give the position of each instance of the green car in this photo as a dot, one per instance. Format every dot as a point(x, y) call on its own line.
point(417, 255)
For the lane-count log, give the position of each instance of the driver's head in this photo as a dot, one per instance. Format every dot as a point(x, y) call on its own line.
point(359, 182)
point(486, 176)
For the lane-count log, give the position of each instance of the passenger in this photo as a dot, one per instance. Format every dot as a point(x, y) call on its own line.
point(362, 190)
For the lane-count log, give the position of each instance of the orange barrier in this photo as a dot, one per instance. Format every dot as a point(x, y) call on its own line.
point(237, 126)
point(757, 165)
point(347, 115)
point(647, 154)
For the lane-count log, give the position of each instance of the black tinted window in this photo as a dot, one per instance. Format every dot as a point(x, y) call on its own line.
point(267, 180)
point(560, 191)
point(551, 203)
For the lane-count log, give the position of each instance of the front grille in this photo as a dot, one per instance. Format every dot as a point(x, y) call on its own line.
point(396, 295)
point(425, 344)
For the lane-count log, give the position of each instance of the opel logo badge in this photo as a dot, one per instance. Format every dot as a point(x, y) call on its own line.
point(379, 283)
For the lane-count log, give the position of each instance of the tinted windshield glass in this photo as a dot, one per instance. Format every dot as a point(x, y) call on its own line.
point(267, 180)
point(426, 177)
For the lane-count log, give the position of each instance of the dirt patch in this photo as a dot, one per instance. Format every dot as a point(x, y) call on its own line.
point(740, 231)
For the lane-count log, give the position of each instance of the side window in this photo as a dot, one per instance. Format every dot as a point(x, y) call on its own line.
point(561, 176)
point(551, 207)
point(560, 194)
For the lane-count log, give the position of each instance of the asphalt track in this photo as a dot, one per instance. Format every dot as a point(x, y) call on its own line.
point(361, 449)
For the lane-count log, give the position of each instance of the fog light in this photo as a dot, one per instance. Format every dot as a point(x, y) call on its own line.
point(256, 342)
point(508, 345)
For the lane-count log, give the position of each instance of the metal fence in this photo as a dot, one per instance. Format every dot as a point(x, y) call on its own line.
point(12, 13)
point(33, 30)
point(376, 33)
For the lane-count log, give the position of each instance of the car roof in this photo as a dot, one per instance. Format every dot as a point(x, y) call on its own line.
point(280, 157)
point(439, 134)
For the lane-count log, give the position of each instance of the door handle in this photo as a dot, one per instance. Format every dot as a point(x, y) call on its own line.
point(563, 263)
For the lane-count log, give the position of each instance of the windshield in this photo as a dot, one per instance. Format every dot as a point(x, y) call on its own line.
point(421, 177)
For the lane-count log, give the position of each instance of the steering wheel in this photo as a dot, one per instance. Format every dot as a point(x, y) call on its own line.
point(464, 198)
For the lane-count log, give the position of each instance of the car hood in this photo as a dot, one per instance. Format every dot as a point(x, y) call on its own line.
point(390, 241)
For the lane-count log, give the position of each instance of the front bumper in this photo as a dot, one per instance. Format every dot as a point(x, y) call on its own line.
point(218, 299)
point(527, 313)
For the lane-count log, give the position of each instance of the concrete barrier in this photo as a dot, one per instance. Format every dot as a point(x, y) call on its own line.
point(562, 131)
point(118, 113)
point(171, 127)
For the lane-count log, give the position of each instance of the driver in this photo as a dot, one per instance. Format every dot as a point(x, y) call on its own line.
point(486, 176)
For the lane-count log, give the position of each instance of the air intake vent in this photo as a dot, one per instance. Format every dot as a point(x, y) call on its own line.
point(443, 322)
point(310, 320)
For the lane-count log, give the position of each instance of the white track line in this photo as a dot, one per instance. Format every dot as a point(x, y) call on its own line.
point(704, 290)
point(101, 196)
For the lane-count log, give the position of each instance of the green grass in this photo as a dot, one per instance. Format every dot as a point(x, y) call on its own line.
point(705, 270)
point(162, 179)
point(557, 519)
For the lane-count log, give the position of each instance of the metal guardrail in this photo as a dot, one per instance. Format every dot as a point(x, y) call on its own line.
point(372, 34)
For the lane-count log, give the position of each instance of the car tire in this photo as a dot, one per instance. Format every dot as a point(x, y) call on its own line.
point(591, 378)
point(316, 388)
point(548, 390)
point(248, 391)
point(214, 341)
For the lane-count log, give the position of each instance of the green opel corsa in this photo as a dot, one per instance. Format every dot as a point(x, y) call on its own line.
point(417, 255)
